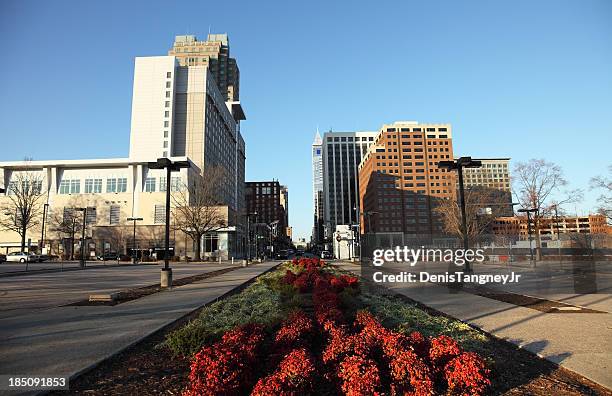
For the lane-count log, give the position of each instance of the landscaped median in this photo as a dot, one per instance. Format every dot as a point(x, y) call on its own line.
point(308, 328)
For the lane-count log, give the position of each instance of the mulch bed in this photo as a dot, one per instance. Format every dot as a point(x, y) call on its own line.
point(146, 369)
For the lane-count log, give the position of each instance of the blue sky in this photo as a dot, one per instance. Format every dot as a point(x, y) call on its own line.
point(523, 79)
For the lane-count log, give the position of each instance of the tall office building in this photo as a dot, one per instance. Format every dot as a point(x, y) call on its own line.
point(399, 179)
point(181, 111)
point(213, 53)
point(317, 189)
point(342, 153)
point(265, 198)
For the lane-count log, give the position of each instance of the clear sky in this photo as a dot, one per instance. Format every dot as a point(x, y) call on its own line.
point(523, 79)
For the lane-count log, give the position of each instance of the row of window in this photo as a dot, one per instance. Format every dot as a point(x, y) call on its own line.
point(93, 186)
point(176, 184)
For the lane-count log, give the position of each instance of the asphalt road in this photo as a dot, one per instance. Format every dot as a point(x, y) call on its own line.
point(27, 293)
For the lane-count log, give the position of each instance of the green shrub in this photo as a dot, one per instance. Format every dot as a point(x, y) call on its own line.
point(258, 303)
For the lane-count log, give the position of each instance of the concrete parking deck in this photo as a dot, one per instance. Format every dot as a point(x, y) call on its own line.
point(66, 340)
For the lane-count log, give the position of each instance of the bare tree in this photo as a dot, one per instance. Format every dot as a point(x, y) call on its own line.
point(24, 208)
point(197, 207)
point(536, 183)
point(482, 206)
point(605, 199)
point(66, 224)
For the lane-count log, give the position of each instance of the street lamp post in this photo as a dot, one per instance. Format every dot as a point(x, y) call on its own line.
point(249, 234)
point(529, 211)
point(84, 210)
point(170, 166)
point(458, 165)
point(134, 252)
point(42, 232)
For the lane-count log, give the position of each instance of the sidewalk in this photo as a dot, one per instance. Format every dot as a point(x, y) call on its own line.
point(580, 342)
point(65, 341)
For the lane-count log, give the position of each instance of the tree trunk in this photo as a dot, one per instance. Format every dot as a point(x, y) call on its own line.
point(23, 237)
point(198, 242)
point(536, 225)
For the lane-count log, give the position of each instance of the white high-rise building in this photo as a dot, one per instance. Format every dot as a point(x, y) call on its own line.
point(178, 111)
point(317, 189)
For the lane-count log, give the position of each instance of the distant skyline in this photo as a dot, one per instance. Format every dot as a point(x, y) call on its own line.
point(518, 79)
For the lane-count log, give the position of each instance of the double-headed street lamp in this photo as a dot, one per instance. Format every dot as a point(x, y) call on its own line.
point(134, 252)
point(248, 216)
point(170, 166)
point(528, 211)
point(459, 164)
point(84, 210)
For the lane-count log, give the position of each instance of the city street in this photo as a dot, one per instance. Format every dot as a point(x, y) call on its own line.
point(42, 338)
point(28, 293)
point(8, 268)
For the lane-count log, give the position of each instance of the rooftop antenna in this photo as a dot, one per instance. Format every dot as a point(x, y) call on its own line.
point(209, 29)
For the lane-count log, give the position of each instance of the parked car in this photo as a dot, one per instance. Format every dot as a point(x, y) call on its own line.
point(299, 252)
point(2, 258)
point(108, 257)
point(326, 255)
point(21, 257)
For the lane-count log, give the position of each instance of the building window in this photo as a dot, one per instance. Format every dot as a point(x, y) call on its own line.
point(150, 184)
point(165, 134)
point(91, 217)
point(159, 217)
point(75, 186)
point(167, 94)
point(165, 144)
point(64, 187)
point(168, 84)
point(115, 214)
point(169, 74)
point(122, 184)
point(111, 185)
point(167, 104)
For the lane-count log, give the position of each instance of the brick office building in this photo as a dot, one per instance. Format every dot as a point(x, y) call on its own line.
point(399, 179)
point(265, 198)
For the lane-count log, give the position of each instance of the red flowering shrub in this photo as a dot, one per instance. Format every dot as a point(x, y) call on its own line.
point(293, 376)
point(419, 343)
point(289, 277)
point(294, 331)
point(362, 358)
point(467, 375)
point(359, 376)
point(442, 349)
point(225, 367)
point(410, 374)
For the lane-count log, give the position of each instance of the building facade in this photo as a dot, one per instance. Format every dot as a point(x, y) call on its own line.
point(264, 198)
point(214, 53)
point(342, 153)
point(517, 225)
point(400, 182)
point(284, 203)
point(179, 111)
point(317, 190)
point(493, 176)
